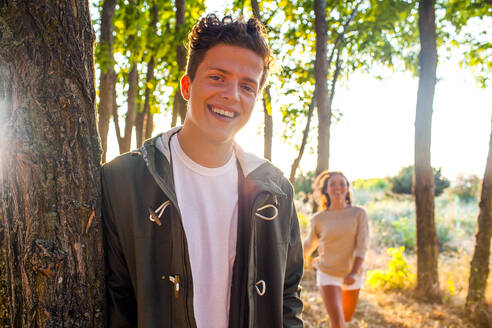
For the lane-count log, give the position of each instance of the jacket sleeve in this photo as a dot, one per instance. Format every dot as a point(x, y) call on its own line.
point(292, 305)
point(121, 301)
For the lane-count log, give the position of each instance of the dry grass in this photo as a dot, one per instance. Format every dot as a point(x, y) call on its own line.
point(398, 308)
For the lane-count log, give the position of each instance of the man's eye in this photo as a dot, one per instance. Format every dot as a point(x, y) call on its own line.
point(215, 77)
point(248, 88)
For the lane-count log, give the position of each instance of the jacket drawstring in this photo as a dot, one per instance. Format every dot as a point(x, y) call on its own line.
point(155, 216)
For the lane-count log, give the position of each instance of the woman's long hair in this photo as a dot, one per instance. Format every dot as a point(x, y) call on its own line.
point(319, 186)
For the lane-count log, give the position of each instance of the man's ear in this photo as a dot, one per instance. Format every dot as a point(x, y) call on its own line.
point(185, 87)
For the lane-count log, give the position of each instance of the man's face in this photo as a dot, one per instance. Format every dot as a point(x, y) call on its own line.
point(223, 92)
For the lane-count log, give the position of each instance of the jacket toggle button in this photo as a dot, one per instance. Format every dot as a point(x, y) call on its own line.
point(155, 216)
point(260, 284)
point(267, 206)
point(175, 281)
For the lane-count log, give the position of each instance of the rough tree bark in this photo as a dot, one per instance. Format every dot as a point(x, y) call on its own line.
point(321, 86)
point(49, 175)
point(179, 105)
point(427, 242)
point(107, 82)
point(479, 270)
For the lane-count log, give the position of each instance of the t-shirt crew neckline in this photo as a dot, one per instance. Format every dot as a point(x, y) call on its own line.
point(341, 209)
point(200, 169)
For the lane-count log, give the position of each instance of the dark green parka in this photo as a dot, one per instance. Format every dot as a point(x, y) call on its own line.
point(149, 280)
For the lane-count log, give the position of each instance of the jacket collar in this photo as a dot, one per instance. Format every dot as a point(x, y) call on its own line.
point(266, 176)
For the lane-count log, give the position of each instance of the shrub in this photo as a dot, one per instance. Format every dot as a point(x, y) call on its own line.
point(397, 274)
point(304, 182)
point(374, 184)
point(403, 182)
point(467, 187)
point(444, 235)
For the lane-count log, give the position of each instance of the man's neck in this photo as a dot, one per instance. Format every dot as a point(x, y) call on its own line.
point(203, 151)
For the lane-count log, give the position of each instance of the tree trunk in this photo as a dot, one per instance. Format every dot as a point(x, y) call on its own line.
point(267, 102)
point(179, 105)
point(125, 141)
point(49, 175)
point(479, 269)
point(108, 77)
point(148, 123)
point(305, 134)
point(321, 86)
point(4, 298)
point(139, 128)
point(427, 242)
point(268, 129)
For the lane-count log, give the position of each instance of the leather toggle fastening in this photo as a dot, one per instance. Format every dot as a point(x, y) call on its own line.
point(155, 216)
point(261, 284)
point(264, 208)
point(175, 281)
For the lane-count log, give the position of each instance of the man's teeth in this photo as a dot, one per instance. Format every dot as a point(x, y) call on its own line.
point(222, 112)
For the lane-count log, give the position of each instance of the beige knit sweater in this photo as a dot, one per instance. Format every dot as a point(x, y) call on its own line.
point(341, 235)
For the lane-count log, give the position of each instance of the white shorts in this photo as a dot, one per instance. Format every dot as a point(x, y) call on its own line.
point(323, 279)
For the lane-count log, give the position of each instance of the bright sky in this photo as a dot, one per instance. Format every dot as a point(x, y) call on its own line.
point(375, 137)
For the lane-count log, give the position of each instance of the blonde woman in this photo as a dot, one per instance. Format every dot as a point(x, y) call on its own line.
point(341, 233)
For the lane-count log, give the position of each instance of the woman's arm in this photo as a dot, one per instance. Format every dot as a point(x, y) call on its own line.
point(311, 242)
point(351, 277)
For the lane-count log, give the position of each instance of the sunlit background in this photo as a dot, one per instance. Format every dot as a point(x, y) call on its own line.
point(375, 135)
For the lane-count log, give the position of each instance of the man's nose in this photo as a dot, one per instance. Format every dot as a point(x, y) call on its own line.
point(231, 91)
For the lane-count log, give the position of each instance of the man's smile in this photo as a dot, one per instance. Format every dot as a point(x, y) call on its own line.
point(222, 111)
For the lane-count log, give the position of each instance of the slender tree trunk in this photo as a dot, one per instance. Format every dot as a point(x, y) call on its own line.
point(148, 124)
point(321, 86)
point(427, 243)
point(267, 103)
point(49, 175)
point(147, 115)
point(268, 129)
point(479, 270)
point(125, 141)
point(305, 134)
point(139, 128)
point(108, 77)
point(179, 105)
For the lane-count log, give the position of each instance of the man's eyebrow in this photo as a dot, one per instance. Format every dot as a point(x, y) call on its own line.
point(248, 79)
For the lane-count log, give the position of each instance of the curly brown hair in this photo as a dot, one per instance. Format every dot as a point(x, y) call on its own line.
point(210, 31)
point(319, 186)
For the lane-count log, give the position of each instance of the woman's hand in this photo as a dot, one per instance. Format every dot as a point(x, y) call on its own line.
point(350, 279)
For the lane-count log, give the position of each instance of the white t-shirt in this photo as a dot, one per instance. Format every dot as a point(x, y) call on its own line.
point(207, 198)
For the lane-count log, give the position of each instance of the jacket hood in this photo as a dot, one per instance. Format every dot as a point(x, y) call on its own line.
point(248, 162)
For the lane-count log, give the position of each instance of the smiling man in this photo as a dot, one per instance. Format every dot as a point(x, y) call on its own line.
point(198, 232)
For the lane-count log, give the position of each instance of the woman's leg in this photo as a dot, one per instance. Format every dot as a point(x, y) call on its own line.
point(349, 301)
point(332, 297)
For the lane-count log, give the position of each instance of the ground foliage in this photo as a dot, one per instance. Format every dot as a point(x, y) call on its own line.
point(380, 308)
